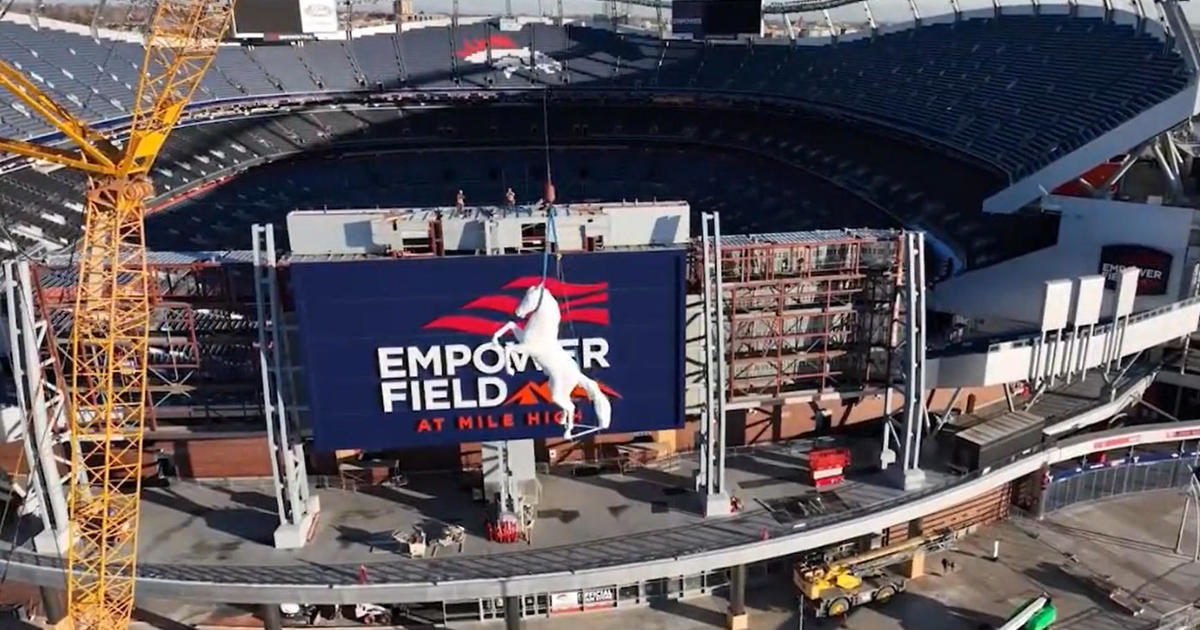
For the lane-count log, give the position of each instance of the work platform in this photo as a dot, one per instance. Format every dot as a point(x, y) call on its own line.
point(1181, 365)
point(212, 544)
point(1080, 403)
point(231, 523)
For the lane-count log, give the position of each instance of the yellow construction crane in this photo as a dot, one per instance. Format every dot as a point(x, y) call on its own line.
point(113, 301)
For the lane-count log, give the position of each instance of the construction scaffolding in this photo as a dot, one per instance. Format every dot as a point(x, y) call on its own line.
point(809, 313)
point(201, 355)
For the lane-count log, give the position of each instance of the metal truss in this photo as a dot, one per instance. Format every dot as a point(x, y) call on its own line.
point(201, 341)
point(807, 317)
point(711, 473)
point(173, 359)
point(42, 407)
point(297, 506)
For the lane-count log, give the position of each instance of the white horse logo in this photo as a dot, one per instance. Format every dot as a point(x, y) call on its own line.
point(539, 341)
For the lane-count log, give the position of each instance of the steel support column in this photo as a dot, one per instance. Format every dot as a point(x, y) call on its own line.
point(736, 617)
point(915, 412)
point(93, 26)
point(1168, 166)
point(54, 605)
point(297, 506)
point(35, 13)
point(272, 619)
point(737, 590)
point(711, 474)
point(41, 406)
point(512, 612)
point(1039, 511)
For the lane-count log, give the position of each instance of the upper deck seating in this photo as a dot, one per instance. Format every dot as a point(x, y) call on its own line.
point(1017, 91)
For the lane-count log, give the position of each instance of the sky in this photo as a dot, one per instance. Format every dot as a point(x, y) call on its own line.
point(884, 10)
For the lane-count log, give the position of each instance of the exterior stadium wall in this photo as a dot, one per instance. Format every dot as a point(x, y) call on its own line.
point(229, 457)
point(1012, 290)
point(416, 583)
point(770, 423)
point(246, 456)
point(1013, 361)
point(980, 369)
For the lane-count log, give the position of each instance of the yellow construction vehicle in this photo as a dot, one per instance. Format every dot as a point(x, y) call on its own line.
point(834, 587)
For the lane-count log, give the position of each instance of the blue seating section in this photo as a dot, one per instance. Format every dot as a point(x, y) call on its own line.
point(769, 172)
point(724, 182)
point(1017, 91)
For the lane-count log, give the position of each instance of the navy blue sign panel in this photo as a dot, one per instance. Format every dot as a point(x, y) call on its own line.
point(397, 352)
point(716, 18)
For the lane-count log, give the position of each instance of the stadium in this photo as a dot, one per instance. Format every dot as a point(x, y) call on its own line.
point(955, 256)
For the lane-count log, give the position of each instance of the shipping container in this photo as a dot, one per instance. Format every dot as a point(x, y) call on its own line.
point(994, 441)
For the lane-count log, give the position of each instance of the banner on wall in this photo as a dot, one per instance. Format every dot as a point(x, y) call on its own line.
point(319, 16)
point(1154, 266)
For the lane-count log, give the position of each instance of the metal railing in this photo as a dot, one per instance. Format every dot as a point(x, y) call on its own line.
point(1128, 478)
point(1185, 618)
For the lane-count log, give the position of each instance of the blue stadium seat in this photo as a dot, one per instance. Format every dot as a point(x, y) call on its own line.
point(1017, 92)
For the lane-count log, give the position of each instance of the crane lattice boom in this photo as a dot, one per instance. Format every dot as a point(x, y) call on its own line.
point(113, 299)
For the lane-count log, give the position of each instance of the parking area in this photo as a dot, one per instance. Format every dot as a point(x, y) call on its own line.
point(1127, 541)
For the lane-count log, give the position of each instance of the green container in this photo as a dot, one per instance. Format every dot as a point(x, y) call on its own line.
point(1042, 619)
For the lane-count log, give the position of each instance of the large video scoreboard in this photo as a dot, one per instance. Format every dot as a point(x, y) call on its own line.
point(716, 18)
point(268, 19)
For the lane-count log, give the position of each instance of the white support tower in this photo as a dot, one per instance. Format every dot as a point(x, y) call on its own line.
point(40, 405)
point(297, 507)
point(911, 383)
point(710, 478)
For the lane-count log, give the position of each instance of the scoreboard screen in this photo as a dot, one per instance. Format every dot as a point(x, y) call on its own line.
point(716, 18)
point(272, 18)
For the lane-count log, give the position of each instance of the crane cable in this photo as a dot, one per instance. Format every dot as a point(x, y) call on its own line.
point(551, 236)
point(551, 225)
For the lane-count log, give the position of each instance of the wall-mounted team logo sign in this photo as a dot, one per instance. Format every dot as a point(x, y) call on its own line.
point(318, 16)
point(318, 11)
point(1154, 266)
point(507, 55)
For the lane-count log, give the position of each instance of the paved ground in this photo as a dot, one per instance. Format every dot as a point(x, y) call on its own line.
point(190, 523)
point(193, 524)
point(1132, 538)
